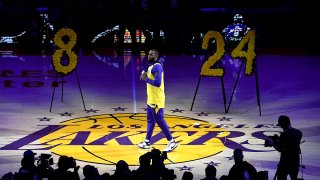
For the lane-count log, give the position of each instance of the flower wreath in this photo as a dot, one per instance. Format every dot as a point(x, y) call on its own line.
point(249, 54)
point(56, 57)
point(206, 68)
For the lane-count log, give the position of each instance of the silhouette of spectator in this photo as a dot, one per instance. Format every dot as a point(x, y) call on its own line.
point(241, 170)
point(90, 173)
point(122, 171)
point(27, 171)
point(144, 170)
point(30, 155)
point(168, 174)
point(288, 144)
point(262, 175)
point(7, 176)
point(157, 166)
point(211, 172)
point(64, 164)
point(105, 176)
point(44, 168)
point(187, 175)
point(224, 177)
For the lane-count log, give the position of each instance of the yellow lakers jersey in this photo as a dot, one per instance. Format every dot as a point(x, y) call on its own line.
point(155, 95)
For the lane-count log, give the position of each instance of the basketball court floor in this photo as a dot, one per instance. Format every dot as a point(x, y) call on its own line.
point(96, 114)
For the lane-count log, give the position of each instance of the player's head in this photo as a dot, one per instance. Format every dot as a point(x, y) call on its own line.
point(153, 55)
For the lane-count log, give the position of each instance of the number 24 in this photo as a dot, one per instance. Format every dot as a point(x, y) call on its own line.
point(238, 52)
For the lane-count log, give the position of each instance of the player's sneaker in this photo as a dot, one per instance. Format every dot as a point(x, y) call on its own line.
point(171, 146)
point(144, 145)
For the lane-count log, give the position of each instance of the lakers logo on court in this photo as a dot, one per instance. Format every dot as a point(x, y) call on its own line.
point(107, 138)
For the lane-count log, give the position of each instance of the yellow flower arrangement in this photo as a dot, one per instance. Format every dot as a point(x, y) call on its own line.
point(249, 54)
point(56, 57)
point(206, 69)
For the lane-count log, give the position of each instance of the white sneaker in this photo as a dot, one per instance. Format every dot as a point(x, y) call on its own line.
point(171, 146)
point(144, 145)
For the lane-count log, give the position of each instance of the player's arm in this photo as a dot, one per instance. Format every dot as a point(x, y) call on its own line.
point(156, 71)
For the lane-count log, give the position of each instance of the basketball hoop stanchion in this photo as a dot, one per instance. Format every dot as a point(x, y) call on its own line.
point(209, 67)
point(62, 69)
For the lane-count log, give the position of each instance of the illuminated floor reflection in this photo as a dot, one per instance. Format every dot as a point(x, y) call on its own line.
point(97, 113)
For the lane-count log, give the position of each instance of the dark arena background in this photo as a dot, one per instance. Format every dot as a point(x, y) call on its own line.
point(69, 82)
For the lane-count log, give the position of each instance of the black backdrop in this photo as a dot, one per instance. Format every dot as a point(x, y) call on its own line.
point(279, 24)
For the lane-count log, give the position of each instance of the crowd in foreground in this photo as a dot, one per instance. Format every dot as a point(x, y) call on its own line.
point(151, 167)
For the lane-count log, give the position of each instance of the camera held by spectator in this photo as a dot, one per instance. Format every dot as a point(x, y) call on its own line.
point(45, 159)
point(157, 154)
point(71, 163)
point(271, 141)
